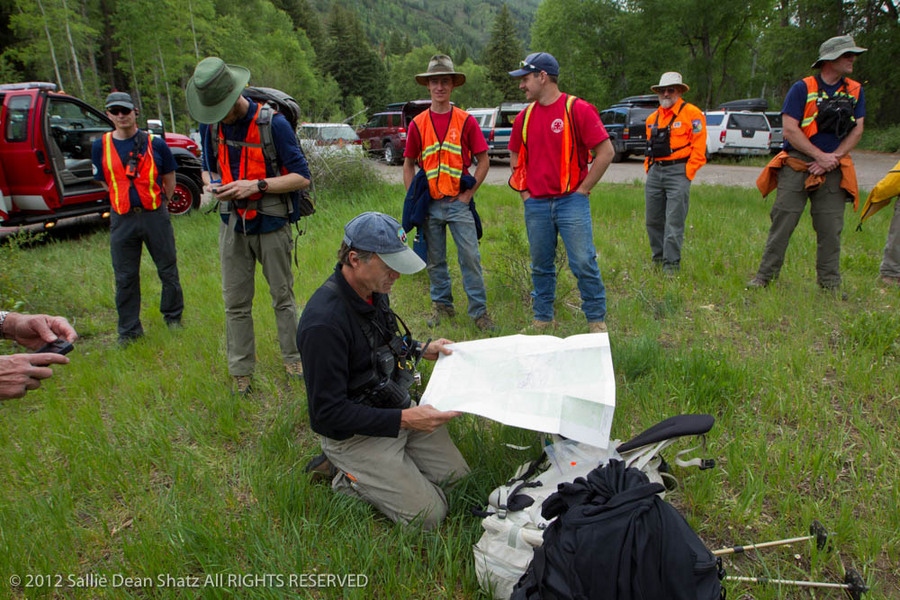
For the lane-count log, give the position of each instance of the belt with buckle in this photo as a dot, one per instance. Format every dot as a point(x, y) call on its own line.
point(665, 163)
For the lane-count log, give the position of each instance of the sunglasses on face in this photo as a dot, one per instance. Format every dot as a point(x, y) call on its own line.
point(668, 90)
point(119, 110)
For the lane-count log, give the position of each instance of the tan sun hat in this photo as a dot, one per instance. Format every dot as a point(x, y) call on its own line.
point(833, 48)
point(441, 64)
point(670, 79)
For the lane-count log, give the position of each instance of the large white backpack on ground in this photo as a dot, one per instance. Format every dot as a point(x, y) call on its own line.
point(513, 525)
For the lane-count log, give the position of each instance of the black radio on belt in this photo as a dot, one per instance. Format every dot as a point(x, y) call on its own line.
point(659, 144)
point(131, 167)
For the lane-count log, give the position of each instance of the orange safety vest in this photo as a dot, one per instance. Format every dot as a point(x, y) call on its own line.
point(684, 142)
point(442, 159)
point(252, 162)
point(808, 125)
point(569, 163)
point(145, 183)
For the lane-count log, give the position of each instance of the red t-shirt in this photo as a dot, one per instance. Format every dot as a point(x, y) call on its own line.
point(545, 143)
point(472, 138)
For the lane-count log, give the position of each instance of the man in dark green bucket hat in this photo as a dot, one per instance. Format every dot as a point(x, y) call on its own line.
point(254, 196)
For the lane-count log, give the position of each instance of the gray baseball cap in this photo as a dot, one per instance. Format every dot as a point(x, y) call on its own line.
point(119, 99)
point(833, 48)
point(379, 233)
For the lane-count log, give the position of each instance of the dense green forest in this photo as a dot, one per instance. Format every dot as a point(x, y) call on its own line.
point(342, 60)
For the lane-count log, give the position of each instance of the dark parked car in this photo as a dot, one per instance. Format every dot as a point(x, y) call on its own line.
point(626, 125)
point(385, 133)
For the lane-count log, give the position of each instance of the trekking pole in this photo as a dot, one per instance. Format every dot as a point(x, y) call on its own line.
point(853, 583)
point(816, 531)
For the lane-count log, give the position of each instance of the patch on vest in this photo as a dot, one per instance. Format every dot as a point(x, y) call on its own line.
point(453, 135)
point(556, 126)
point(696, 125)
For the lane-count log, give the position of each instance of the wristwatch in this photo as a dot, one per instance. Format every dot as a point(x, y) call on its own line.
point(263, 185)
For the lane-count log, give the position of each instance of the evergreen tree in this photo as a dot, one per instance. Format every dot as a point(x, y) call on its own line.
point(502, 54)
point(352, 61)
point(397, 44)
point(303, 17)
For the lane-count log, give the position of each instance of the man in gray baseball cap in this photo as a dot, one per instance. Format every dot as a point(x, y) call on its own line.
point(359, 361)
point(823, 118)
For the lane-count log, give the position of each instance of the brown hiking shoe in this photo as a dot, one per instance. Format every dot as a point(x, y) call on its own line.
point(485, 323)
point(758, 283)
point(888, 280)
point(294, 370)
point(539, 327)
point(241, 385)
point(320, 466)
point(439, 311)
point(597, 327)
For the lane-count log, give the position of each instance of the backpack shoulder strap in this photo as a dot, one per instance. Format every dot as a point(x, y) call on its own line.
point(264, 123)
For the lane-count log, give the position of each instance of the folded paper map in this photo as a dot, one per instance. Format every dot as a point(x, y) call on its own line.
point(538, 382)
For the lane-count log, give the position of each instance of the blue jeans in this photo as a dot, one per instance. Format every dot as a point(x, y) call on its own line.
point(457, 216)
point(569, 217)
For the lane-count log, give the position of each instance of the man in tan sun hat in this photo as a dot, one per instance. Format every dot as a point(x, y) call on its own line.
point(442, 141)
point(823, 121)
point(676, 149)
point(253, 197)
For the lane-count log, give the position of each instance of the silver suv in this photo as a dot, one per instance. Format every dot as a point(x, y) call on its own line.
point(738, 133)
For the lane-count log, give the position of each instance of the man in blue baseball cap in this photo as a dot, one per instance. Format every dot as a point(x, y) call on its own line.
point(377, 444)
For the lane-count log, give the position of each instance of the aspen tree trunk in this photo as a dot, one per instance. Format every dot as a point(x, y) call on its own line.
point(72, 48)
point(50, 43)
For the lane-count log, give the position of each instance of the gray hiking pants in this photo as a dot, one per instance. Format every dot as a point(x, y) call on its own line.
point(666, 195)
point(402, 476)
point(239, 254)
point(890, 263)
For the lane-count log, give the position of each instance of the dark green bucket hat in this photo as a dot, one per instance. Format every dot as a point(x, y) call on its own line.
point(214, 88)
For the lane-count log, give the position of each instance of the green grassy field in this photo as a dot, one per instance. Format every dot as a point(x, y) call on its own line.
point(139, 463)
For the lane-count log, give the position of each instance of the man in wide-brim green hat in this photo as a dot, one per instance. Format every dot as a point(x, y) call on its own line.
point(257, 198)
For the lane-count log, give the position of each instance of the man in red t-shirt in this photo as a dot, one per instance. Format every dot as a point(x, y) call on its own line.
point(550, 154)
point(442, 141)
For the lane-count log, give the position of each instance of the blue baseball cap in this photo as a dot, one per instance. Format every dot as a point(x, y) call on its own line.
point(383, 235)
point(535, 63)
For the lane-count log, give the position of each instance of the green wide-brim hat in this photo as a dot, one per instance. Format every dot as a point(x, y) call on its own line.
point(214, 88)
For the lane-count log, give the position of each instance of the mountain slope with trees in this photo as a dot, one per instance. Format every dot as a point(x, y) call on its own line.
point(342, 60)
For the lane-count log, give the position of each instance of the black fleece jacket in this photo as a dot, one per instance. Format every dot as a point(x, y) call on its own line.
point(332, 346)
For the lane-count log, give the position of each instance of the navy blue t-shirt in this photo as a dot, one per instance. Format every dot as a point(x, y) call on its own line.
point(795, 104)
point(289, 156)
point(165, 162)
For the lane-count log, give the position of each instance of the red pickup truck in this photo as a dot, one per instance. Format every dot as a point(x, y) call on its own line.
point(45, 158)
point(385, 133)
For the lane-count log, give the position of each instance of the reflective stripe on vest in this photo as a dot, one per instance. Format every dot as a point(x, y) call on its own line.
point(568, 163)
point(442, 160)
point(145, 183)
point(808, 125)
point(252, 163)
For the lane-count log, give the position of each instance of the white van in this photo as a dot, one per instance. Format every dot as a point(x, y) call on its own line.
point(737, 132)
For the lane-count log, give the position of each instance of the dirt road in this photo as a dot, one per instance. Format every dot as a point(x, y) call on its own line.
point(870, 168)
